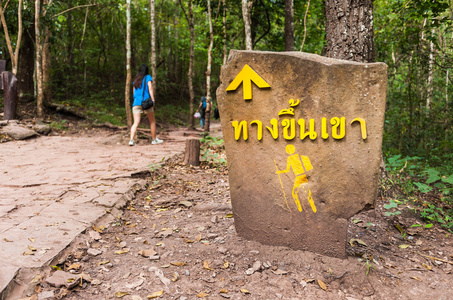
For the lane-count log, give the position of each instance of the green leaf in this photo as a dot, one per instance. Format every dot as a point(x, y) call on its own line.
point(391, 205)
point(423, 187)
point(428, 225)
point(433, 175)
point(448, 179)
point(416, 225)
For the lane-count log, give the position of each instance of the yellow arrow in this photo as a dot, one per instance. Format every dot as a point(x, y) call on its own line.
point(246, 76)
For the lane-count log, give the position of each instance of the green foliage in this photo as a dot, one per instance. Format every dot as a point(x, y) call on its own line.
point(416, 179)
point(211, 151)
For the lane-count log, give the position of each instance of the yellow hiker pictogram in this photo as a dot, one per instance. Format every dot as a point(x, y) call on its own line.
point(246, 76)
point(300, 167)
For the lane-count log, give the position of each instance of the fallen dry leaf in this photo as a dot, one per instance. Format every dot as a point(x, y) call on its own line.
point(226, 265)
point(416, 278)
point(103, 262)
point(322, 285)
point(279, 272)
point(358, 241)
point(121, 294)
point(404, 246)
point(198, 237)
point(202, 295)
point(178, 263)
point(429, 268)
point(122, 251)
point(31, 240)
point(175, 277)
point(188, 241)
point(74, 266)
point(223, 291)
point(6, 240)
point(245, 291)
point(206, 265)
point(155, 294)
point(229, 215)
point(32, 248)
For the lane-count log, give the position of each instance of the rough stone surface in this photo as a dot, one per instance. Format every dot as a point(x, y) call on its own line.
point(342, 172)
point(19, 133)
point(42, 129)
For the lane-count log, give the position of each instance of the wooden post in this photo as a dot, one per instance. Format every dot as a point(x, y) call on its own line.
point(10, 95)
point(192, 153)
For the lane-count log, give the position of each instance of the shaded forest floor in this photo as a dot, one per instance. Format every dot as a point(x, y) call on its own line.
point(176, 240)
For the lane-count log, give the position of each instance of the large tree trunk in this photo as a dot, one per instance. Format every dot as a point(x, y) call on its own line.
point(153, 46)
point(127, 92)
point(191, 62)
point(289, 25)
point(46, 63)
point(38, 57)
point(224, 34)
point(13, 54)
point(349, 30)
point(26, 67)
point(246, 15)
point(208, 70)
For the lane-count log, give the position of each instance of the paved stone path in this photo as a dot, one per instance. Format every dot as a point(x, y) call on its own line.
point(52, 188)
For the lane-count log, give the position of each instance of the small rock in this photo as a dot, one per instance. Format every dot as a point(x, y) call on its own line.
point(147, 253)
point(123, 244)
point(94, 252)
point(136, 297)
point(201, 228)
point(187, 273)
point(154, 257)
point(214, 219)
point(222, 250)
point(303, 283)
point(212, 235)
point(61, 278)
point(95, 235)
point(254, 252)
point(278, 295)
point(256, 266)
point(46, 295)
point(42, 129)
point(19, 133)
point(249, 271)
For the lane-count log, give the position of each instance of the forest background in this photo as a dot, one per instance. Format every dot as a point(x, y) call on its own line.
point(83, 53)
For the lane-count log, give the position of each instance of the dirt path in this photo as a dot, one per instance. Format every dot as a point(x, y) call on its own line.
point(53, 187)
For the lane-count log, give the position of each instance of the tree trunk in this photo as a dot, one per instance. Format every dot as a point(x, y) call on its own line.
point(46, 63)
point(192, 152)
point(26, 67)
point(208, 70)
point(246, 15)
point(289, 25)
point(191, 62)
point(429, 95)
point(127, 93)
point(14, 55)
point(349, 30)
point(190, 21)
point(153, 46)
point(38, 57)
point(224, 34)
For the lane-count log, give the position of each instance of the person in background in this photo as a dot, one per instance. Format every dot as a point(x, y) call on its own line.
point(143, 80)
point(202, 110)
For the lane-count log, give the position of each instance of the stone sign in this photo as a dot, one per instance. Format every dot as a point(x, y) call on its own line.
point(303, 137)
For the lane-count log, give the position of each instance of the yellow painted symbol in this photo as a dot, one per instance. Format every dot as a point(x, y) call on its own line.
point(246, 76)
point(300, 167)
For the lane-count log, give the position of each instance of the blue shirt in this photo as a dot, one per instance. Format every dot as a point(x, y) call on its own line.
point(138, 93)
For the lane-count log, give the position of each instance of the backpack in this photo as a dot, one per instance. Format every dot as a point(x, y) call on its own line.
point(203, 99)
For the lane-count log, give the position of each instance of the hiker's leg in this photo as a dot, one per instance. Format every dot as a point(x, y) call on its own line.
point(137, 117)
point(152, 123)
